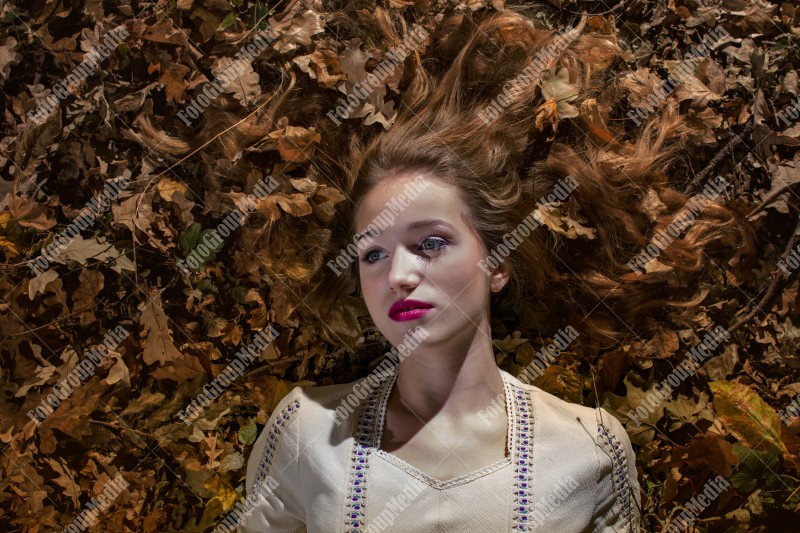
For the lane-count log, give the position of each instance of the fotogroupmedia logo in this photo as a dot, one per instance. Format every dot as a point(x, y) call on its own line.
point(683, 220)
point(694, 507)
point(532, 72)
point(685, 69)
point(241, 510)
point(85, 68)
point(511, 241)
point(212, 240)
point(90, 515)
point(545, 505)
point(82, 372)
point(235, 369)
point(228, 76)
point(388, 365)
point(387, 517)
point(542, 359)
point(790, 113)
point(695, 357)
point(361, 90)
point(85, 220)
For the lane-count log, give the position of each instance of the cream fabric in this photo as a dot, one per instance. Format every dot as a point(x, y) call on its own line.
point(571, 468)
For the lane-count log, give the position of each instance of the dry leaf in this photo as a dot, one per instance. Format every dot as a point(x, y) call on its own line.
point(245, 84)
point(158, 345)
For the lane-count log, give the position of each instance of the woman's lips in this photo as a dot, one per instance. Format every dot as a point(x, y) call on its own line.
point(408, 314)
point(403, 310)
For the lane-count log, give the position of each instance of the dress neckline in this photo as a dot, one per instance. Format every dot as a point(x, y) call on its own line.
point(519, 407)
point(441, 484)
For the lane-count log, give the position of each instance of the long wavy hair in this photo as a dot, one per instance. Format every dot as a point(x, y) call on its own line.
point(501, 169)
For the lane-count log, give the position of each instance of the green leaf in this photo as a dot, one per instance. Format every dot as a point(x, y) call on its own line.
point(780, 45)
point(239, 293)
point(261, 11)
point(754, 469)
point(248, 433)
point(125, 53)
point(190, 237)
point(747, 416)
point(210, 233)
point(229, 19)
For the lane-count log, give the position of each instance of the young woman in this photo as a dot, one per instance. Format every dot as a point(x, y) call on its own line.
point(409, 448)
point(508, 170)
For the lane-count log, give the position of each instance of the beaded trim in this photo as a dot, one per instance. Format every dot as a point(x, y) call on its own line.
point(522, 455)
point(359, 458)
point(619, 471)
point(281, 421)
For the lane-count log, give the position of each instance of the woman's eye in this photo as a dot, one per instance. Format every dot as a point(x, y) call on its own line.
point(435, 240)
point(368, 255)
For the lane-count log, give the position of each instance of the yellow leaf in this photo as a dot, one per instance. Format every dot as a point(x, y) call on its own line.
point(9, 246)
point(7, 228)
point(280, 389)
point(226, 497)
point(167, 187)
point(213, 509)
point(749, 418)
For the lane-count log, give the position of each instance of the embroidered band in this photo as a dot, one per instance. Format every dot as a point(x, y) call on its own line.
point(359, 459)
point(283, 418)
point(619, 471)
point(522, 455)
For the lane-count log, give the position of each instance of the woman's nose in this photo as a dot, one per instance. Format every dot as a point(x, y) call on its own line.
point(404, 270)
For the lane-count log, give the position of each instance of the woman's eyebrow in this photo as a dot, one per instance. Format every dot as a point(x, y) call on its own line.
point(414, 225)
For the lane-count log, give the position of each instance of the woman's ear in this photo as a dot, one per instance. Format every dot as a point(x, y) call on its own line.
point(499, 278)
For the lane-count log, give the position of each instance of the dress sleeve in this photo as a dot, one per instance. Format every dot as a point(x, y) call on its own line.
point(274, 500)
point(618, 500)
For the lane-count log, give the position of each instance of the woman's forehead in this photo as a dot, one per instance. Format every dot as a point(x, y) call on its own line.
point(391, 204)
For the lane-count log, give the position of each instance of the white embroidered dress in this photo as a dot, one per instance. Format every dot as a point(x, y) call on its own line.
point(571, 468)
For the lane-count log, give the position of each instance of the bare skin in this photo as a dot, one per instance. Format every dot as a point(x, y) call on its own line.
point(432, 419)
point(443, 447)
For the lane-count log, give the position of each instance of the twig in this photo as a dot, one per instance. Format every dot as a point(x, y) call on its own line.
point(267, 14)
point(56, 321)
point(268, 366)
point(777, 276)
point(738, 139)
point(118, 428)
point(771, 196)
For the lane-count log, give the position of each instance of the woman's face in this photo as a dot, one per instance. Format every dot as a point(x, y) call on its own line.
point(428, 254)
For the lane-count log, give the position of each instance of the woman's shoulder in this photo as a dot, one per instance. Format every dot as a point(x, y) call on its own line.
point(321, 401)
point(303, 412)
point(595, 421)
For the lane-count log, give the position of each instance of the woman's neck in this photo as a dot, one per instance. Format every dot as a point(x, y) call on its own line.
point(440, 381)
